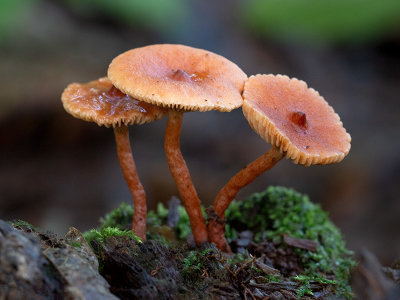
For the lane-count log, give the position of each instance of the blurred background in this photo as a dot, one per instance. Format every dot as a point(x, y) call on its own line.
point(57, 171)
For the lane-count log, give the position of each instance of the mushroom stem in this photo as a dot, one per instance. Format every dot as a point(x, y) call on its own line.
point(132, 179)
point(230, 190)
point(180, 172)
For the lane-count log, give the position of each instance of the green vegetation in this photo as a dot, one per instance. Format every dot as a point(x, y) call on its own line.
point(267, 277)
point(101, 234)
point(76, 245)
point(159, 218)
point(337, 21)
point(120, 217)
point(12, 12)
point(195, 260)
point(160, 15)
point(183, 227)
point(279, 211)
point(20, 224)
point(306, 280)
point(200, 265)
point(269, 215)
point(237, 258)
point(273, 278)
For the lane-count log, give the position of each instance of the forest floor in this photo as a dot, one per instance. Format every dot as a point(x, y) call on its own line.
point(293, 252)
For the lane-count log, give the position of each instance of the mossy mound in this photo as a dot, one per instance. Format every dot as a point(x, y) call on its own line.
point(270, 219)
point(280, 211)
point(101, 234)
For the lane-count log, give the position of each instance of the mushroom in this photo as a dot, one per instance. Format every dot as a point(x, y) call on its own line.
point(100, 102)
point(296, 121)
point(182, 79)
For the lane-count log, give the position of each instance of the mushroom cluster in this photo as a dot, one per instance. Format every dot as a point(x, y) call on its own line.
point(181, 79)
point(144, 84)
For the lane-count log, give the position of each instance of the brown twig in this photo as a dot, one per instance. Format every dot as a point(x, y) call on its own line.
point(247, 291)
point(266, 269)
point(300, 243)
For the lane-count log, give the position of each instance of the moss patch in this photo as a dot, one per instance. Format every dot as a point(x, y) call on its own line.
point(120, 217)
point(105, 232)
point(269, 216)
point(23, 225)
point(278, 211)
point(159, 218)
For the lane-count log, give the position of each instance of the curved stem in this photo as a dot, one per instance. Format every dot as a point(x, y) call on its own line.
point(230, 190)
point(132, 179)
point(181, 175)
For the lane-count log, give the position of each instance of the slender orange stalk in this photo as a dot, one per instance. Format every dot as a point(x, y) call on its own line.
point(229, 191)
point(180, 172)
point(132, 179)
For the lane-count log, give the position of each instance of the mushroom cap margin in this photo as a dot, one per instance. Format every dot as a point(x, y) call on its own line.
point(179, 77)
point(323, 141)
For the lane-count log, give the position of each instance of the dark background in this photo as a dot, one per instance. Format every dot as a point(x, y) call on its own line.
point(57, 171)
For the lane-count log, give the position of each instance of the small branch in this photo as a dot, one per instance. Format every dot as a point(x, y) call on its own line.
point(266, 269)
point(300, 243)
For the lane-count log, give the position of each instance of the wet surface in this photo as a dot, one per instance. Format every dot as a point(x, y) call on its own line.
point(181, 75)
point(299, 118)
point(106, 103)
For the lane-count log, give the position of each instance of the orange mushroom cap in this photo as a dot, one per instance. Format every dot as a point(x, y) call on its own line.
point(180, 77)
point(100, 102)
point(295, 119)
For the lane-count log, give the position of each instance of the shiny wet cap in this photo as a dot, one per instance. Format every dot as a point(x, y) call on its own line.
point(100, 102)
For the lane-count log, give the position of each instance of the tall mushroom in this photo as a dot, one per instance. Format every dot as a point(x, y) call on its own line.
point(100, 102)
point(296, 121)
point(182, 79)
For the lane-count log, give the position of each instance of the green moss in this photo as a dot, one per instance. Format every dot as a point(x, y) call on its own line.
point(305, 281)
point(194, 260)
point(120, 217)
point(279, 211)
point(160, 216)
point(200, 263)
point(101, 234)
point(76, 245)
point(237, 258)
point(273, 278)
point(183, 226)
point(20, 224)
point(268, 215)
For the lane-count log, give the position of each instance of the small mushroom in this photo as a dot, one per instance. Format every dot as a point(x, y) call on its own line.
point(181, 79)
point(100, 102)
point(296, 121)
